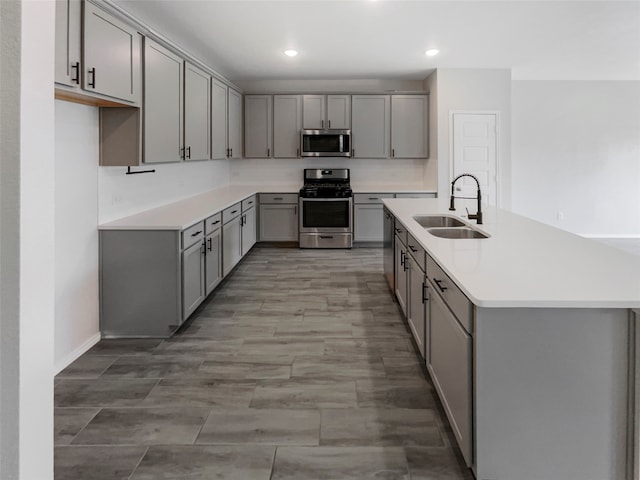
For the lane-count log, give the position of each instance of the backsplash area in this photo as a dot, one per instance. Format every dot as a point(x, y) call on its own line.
point(407, 172)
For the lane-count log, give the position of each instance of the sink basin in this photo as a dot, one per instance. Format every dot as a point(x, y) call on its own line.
point(460, 232)
point(430, 221)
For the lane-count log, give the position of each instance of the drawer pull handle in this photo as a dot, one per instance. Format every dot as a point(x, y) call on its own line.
point(438, 282)
point(413, 249)
point(374, 198)
point(325, 237)
point(234, 211)
point(278, 198)
point(197, 233)
point(216, 222)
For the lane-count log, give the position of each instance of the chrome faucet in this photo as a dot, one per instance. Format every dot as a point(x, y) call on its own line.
point(478, 216)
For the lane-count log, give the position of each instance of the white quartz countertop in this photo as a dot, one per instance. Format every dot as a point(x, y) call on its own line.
point(525, 263)
point(184, 213)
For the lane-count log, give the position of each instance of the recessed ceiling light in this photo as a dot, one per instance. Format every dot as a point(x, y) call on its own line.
point(291, 53)
point(431, 52)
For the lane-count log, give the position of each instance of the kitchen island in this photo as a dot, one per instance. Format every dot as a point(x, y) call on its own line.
point(530, 339)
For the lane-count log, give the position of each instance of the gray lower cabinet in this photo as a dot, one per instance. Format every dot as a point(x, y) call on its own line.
point(278, 217)
point(368, 217)
point(231, 238)
point(212, 260)
point(450, 354)
point(417, 292)
point(401, 267)
point(248, 225)
point(193, 278)
point(387, 249)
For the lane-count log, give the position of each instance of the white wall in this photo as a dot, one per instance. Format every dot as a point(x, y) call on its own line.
point(26, 246)
point(576, 150)
point(474, 90)
point(76, 233)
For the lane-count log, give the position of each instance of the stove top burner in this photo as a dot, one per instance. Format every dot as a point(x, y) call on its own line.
point(326, 183)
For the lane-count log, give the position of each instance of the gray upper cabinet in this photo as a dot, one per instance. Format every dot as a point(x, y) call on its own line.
point(409, 126)
point(67, 62)
point(163, 126)
point(111, 56)
point(258, 127)
point(219, 120)
point(370, 126)
point(326, 111)
point(234, 124)
point(197, 113)
point(287, 123)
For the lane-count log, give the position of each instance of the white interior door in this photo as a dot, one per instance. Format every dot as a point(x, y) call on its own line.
point(475, 152)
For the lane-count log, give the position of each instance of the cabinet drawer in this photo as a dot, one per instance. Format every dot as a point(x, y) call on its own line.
point(400, 231)
point(193, 234)
point(232, 212)
point(417, 252)
point(370, 197)
point(278, 198)
point(452, 295)
point(416, 195)
point(248, 202)
point(212, 223)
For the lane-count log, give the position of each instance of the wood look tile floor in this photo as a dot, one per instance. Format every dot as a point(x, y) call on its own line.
point(299, 366)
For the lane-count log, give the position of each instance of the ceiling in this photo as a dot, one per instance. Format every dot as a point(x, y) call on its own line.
point(367, 39)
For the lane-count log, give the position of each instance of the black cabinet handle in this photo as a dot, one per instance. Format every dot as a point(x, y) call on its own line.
point(438, 283)
point(374, 198)
point(211, 245)
point(188, 152)
point(216, 222)
point(324, 237)
point(413, 249)
point(76, 66)
point(278, 198)
point(406, 263)
point(268, 152)
point(92, 82)
point(197, 233)
point(234, 211)
point(424, 292)
point(402, 259)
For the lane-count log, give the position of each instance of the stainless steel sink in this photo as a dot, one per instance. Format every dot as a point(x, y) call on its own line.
point(430, 221)
point(459, 232)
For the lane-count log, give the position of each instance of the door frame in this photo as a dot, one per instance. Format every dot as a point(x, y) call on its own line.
point(452, 113)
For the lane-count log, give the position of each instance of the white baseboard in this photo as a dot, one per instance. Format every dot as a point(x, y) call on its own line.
point(75, 354)
point(609, 235)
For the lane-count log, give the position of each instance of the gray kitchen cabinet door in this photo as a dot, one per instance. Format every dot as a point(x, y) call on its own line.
point(370, 121)
point(409, 126)
point(313, 111)
point(368, 223)
point(111, 56)
point(339, 111)
point(401, 274)
point(231, 245)
point(197, 113)
point(193, 291)
point(212, 260)
point(248, 230)
point(258, 127)
point(449, 361)
point(163, 125)
point(219, 120)
point(287, 123)
point(68, 55)
point(279, 223)
point(235, 124)
point(417, 299)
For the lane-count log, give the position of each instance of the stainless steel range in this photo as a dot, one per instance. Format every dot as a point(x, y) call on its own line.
point(326, 207)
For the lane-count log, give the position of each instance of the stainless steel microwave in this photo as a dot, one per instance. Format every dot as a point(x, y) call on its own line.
point(326, 143)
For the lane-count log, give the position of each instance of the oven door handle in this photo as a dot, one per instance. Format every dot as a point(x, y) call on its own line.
point(342, 199)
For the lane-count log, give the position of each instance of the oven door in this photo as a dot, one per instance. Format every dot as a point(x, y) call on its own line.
point(326, 215)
